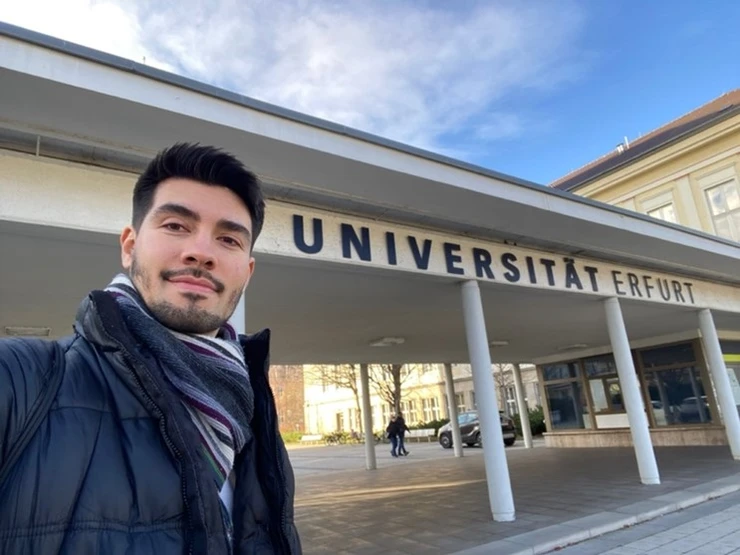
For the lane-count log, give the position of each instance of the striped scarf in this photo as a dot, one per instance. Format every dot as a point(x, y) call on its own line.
point(209, 373)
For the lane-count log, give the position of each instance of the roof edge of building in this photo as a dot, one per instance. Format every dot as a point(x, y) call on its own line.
point(719, 117)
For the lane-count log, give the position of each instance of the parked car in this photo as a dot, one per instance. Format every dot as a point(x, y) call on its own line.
point(692, 410)
point(470, 430)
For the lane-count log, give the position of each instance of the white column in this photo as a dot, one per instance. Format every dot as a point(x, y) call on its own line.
point(494, 456)
point(521, 406)
point(239, 317)
point(452, 411)
point(367, 419)
point(630, 386)
point(721, 380)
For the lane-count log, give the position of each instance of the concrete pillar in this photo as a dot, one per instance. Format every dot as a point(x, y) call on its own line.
point(522, 407)
point(721, 380)
point(494, 456)
point(367, 419)
point(239, 318)
point(646, 463)
point(452, 411)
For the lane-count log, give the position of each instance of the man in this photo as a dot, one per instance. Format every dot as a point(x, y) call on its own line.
point(153, 428)
point(402, 429)
point(392, 432)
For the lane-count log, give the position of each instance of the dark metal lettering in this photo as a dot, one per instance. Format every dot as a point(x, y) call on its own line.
point(451, 259)
point(299, 239)
point(361, 244)
point(617, 282)
point(647, 285)
point(665, 290)
point(677, 291)
point(421, 258)
point(548, 264)
point(482, 261)
point(513, 275)
point(530, 270)
point(390, 243)
point(591, 271)
point(571, 275)
point(634, 284)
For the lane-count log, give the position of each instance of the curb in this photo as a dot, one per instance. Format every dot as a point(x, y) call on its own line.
point(576, 531)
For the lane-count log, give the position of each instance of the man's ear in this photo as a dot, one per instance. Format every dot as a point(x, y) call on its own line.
point(128, 240)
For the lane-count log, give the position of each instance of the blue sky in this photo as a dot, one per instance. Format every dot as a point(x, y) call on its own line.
point(532, 88)
point(652, 62)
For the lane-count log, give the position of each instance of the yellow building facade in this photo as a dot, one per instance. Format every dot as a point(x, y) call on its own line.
point(686, 172)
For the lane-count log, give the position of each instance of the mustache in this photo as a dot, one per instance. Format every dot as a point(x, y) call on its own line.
point(195, 273)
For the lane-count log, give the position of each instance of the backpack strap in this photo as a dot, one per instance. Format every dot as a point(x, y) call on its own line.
point(36, 415)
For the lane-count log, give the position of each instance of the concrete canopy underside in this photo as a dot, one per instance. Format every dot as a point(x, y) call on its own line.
point(329, 313)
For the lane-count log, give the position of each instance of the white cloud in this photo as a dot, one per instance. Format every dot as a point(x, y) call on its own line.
point(104, 25)
point(416, 72)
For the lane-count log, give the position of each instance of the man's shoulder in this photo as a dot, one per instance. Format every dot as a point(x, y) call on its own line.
point(31, 358)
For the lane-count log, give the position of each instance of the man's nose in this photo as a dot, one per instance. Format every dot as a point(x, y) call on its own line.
point(200, 251)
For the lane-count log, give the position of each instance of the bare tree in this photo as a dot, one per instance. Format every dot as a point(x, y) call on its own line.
point(341, 376)
point(388, 380)
point(503, 378)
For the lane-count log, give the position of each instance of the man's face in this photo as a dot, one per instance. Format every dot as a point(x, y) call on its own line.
point(191, 259)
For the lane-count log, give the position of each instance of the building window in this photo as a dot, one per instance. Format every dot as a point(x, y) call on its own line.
point(565, 396)
point(340, 421)
point(665, 213)
point(674, 386)
point(603, 383)
point(511, 408)
point(731, 352)
point(567, 404)
point(410, 413)
point(724, 206)
point(660, 206)
point(387, 411)
point(377, 417)
point(460, 402)
point(354, 419)
point(431, 409)
point(533, 393)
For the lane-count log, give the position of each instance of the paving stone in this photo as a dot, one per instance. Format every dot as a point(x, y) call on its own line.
point(430, 504)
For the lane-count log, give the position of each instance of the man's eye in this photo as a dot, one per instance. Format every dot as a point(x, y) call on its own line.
point(174, 227)
point(230, 241)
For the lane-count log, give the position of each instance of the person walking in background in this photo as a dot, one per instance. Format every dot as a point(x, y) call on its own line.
point(392, 433)
point(401, 428)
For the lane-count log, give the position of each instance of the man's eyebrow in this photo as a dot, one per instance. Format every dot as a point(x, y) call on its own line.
point(235, 227)
point(185, 212)
point(177, 209)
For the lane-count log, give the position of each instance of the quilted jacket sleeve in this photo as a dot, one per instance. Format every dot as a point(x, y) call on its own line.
point(25, 366)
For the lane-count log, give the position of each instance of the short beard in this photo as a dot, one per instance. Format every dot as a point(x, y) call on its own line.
point(191, 319)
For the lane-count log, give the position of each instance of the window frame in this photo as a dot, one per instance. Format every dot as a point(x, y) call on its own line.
point(660, 201)
point(699, 363)
point(716, 178)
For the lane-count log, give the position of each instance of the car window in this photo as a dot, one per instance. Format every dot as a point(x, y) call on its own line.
point(465, 418)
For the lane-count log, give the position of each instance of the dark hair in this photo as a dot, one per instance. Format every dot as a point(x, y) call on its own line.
point(207, 165)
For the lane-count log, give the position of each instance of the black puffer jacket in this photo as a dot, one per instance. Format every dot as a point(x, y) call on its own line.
point(113, 468)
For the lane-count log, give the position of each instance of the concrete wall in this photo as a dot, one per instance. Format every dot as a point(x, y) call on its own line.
point(663, 437)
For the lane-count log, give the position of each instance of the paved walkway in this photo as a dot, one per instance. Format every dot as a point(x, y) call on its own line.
point(438, 504)
point(712, 528)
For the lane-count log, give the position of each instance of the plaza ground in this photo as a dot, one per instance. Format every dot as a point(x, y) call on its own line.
point(433, 503)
